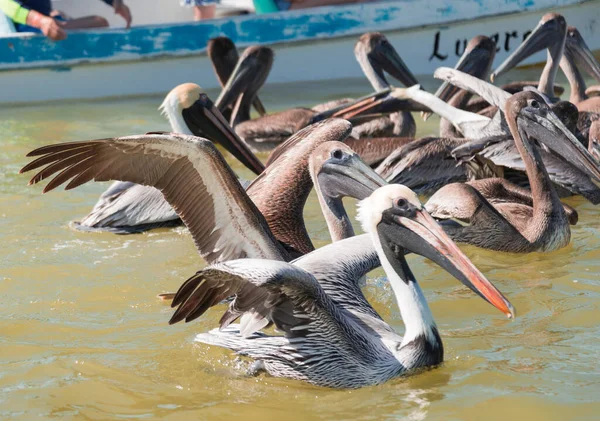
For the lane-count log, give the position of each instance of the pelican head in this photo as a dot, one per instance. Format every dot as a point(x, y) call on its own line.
point(190, 111)
point(341, 173)
point(579, 53)
point(247, 78)
point(550, 31)
point(532, 115)
point(475, 61)
point(223, 56)
point(375, 55)
point(395, 216)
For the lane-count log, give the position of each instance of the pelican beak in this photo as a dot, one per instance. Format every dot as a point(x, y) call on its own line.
point(576, 47)
point(551, 131)
point(416, 231)
point(348, 177)
point(390, 100)
point(545, 34)
point(247, 78)
point(258, 106)
point(388, 59)
point(476, 62)
point(346, 108)
point(204, 119)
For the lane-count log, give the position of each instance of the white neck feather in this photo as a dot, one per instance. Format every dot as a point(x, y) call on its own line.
point(171, 109)
point(414, 310)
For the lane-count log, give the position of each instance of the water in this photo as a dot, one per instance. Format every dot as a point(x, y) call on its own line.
point(83, 337)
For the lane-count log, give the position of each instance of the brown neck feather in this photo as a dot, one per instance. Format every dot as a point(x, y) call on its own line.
point(576, 81)
point(546, 204)
point(555, 53)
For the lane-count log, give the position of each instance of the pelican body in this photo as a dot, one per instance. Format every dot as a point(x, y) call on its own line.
point(331, 336)
point(515, 225)
point(225, 221)
point(375, 55)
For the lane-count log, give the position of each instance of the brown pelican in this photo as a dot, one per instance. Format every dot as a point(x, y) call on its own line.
point(374, 53)
point(127, 207)
point(225, 221)
point(331, 335)
point(224, 57)
point(567, 49)
point(477, 61)
point(498, 146)
point(511, 224)
point(281, 191)
point(578, 54)
point(550, 31)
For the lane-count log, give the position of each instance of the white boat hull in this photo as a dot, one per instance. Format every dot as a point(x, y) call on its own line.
point(300, 61)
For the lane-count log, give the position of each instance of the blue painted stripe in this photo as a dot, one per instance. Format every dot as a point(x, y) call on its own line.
point(310, 24)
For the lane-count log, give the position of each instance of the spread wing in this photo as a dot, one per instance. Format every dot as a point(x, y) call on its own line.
point(189, 171)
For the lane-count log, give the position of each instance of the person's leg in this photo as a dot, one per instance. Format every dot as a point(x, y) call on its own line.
point(204, 12)
point(86, 22)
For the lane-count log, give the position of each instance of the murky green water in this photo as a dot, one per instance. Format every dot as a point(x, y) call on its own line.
point(83, 337)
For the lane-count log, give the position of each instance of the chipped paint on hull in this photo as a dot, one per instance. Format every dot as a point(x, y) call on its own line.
point(289, 27)
point(148, 62)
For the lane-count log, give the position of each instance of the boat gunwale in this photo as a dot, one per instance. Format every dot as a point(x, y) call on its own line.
point(231, 27)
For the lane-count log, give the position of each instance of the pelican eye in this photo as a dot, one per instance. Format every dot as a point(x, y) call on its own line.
point(401, 203)
point(337, 154)
point(534, 104)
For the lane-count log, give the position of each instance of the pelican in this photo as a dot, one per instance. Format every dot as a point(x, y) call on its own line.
point(495, 144)
point(550, 31)
point(578, 54)
point(224, 57)
point(374, 53)
point(125, 207)
point(567, 50)
point(511, 223)
point(225, 221)
point(332, 336)
point(477, 61)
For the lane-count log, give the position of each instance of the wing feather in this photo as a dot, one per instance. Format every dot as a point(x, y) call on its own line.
point(191, 174)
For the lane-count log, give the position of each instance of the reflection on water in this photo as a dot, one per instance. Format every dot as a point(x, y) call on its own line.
point(82, 334)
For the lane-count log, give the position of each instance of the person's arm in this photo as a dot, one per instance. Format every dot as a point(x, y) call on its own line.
point(120, 9)
point(18, 13)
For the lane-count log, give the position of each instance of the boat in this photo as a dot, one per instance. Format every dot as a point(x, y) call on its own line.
point(310, 45)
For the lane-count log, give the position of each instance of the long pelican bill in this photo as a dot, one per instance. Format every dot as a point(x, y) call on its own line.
point(347, 175)
point(392, 101)
point(581, 53)
point(476, 61)
point(551, 131)
point(389, 60)
point(204, 119)
point(543, 35)
point(421, 234)
point(341, 109)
